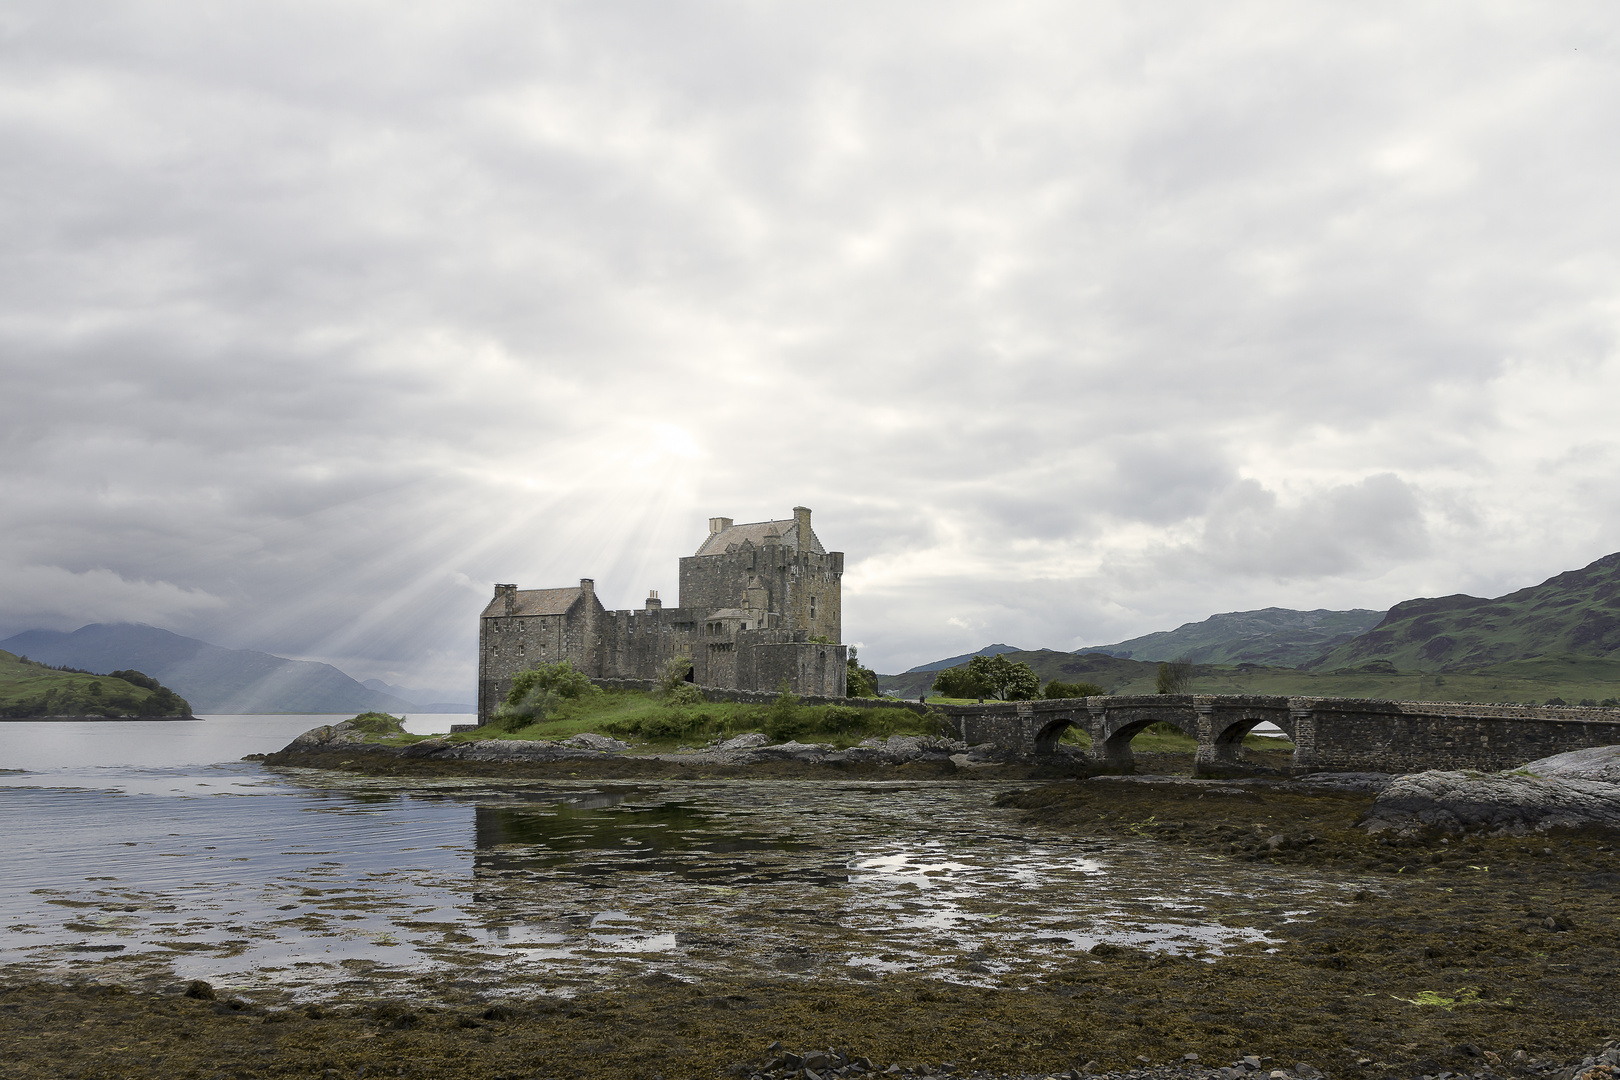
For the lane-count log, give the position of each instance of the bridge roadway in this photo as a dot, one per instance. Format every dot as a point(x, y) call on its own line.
point(1329, 734)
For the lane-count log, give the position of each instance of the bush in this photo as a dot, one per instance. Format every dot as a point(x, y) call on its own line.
point(784, 720)
point(1056, 689)
point(378, 723)
point(560, 679)
point(539, 692)
point(676, 670)
point(683, 695)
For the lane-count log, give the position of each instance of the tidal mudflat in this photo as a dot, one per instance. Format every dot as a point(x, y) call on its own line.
point(288, 887)
point(548, 926)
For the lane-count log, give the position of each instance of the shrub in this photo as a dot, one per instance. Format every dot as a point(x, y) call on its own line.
point(378, 723)
point(683, 695)
point(1056, 689)
point(560, 679)
point(784, 719)
point(676, 669)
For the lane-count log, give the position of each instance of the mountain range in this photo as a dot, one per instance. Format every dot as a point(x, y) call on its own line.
point(1277, 636)
point(1563, 634)
point(1574, 613)
point(211, 678)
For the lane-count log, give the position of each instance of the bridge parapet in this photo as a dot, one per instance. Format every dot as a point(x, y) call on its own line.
point(1346, 734)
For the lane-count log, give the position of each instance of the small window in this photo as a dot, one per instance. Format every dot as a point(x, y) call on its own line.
point(812, 607)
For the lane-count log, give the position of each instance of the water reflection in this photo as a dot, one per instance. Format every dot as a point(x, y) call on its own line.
point(325, 881)
point(601, 834)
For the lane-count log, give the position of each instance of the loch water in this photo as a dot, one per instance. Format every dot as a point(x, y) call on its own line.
point(148, 853)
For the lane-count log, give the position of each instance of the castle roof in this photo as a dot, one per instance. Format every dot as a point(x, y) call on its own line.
point(535, 602)
point(755, 533)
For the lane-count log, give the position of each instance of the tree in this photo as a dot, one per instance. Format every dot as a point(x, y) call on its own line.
point(957, 682)
point(1175, 676)
point(1056, 689)
point(862, 681)
point(1009, 680)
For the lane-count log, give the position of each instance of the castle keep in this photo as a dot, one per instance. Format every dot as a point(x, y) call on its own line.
point(760, 605)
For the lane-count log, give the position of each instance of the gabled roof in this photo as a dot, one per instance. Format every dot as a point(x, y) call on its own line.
point(755, 533)
point(535, 602)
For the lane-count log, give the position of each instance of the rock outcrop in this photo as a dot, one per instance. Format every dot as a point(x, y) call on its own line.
point(1573, 790)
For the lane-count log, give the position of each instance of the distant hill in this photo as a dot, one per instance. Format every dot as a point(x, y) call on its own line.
point(1575, 613)
point(1112, 673)
point(428, 701)
point(212, 679)
point(30, 689)
point(1278, 637)
point(941, 665)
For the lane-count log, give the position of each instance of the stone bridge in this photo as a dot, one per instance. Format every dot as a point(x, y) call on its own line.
point(1329, 734)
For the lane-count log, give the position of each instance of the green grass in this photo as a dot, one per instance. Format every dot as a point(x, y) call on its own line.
point(31, 689)
point(641, 719)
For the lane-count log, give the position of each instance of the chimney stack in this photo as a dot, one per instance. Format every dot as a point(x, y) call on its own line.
point(718, 525)
point(509, 594)
point(801, 516)
point(653, 603)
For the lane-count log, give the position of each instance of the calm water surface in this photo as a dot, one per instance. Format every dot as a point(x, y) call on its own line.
point(147, 852)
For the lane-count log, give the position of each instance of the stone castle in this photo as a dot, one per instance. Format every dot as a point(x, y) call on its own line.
point(760, 605)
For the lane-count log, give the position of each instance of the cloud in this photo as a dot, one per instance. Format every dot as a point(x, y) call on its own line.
point(1331, 532)
point(1071, 322)
point(52, 598)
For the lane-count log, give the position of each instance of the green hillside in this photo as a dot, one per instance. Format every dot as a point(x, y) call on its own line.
point(1278, 637)
point(28, 689)
point(1574, 614)
point(1573, 679)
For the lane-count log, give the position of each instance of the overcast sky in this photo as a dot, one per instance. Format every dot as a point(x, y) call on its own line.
point(1070, 321)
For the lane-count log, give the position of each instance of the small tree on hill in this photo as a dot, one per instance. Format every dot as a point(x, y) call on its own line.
point(1009, 680)
point(1175, 676)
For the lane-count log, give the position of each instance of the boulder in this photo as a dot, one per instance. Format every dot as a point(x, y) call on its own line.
point(1600, 763)
point(1506, 803)
point(327, 735)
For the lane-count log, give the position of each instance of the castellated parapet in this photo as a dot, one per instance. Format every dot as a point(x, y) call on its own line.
point(760, 604)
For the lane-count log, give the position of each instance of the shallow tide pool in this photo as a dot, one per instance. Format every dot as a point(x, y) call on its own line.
point(296, 883)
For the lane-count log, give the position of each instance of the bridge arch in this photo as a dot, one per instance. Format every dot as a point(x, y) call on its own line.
point(1051, 731)
point(1115, 750)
